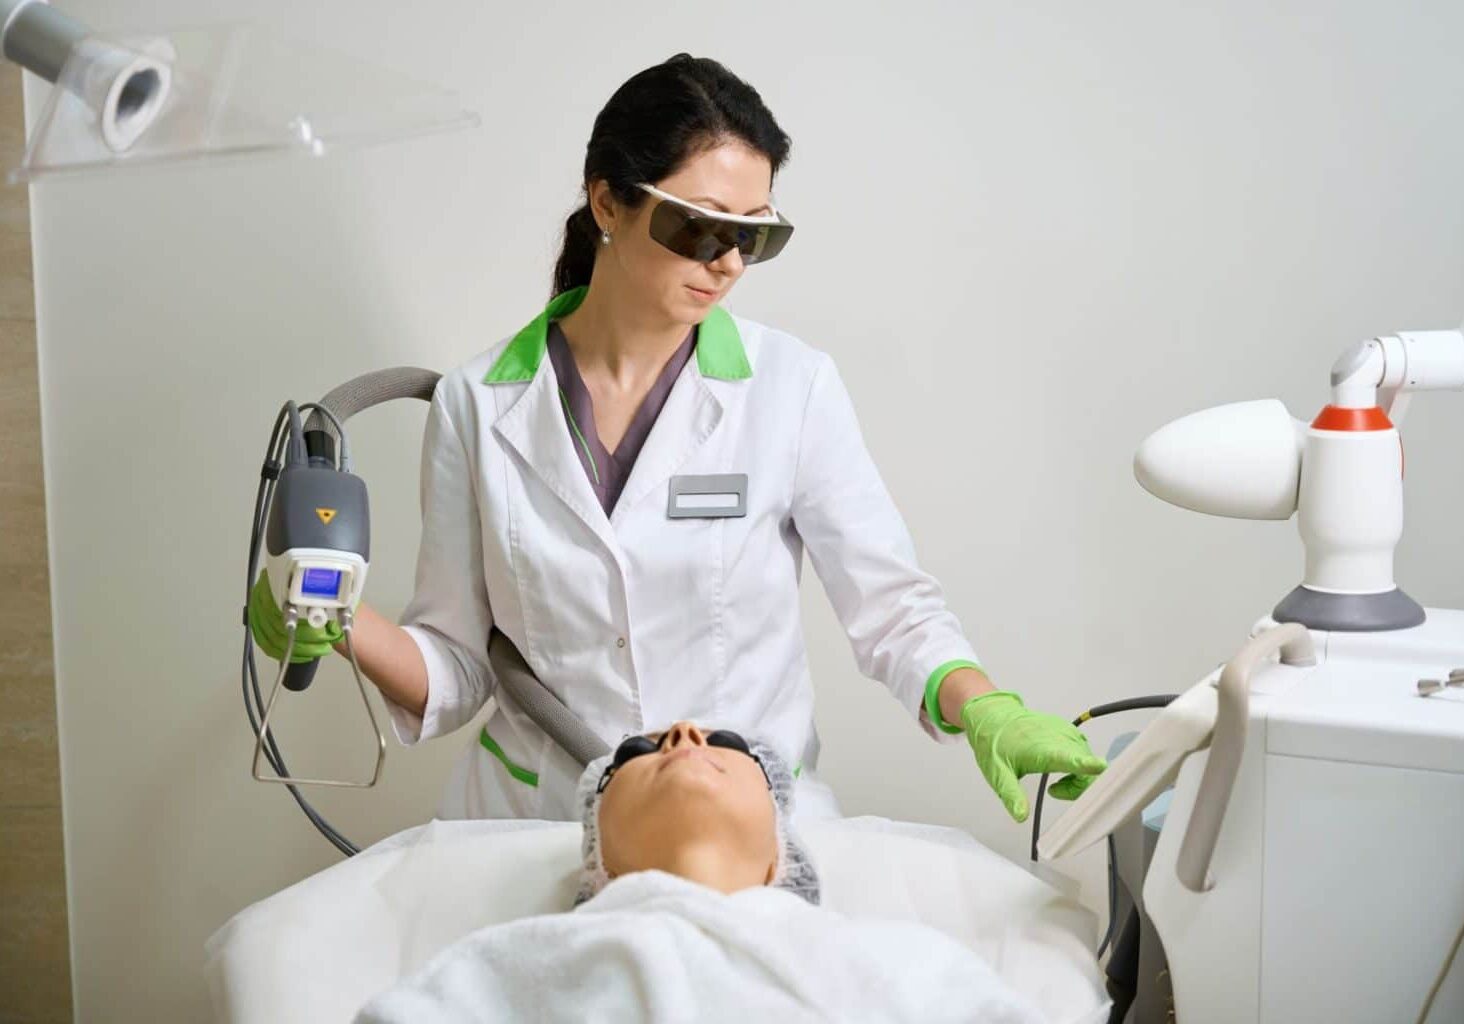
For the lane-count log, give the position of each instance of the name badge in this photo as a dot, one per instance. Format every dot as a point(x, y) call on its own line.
point(718, 496)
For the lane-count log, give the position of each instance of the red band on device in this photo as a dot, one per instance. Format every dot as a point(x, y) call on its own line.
point(1335, 417)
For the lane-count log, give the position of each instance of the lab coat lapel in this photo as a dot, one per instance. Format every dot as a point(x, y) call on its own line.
point(534, 427)
point(690, 415)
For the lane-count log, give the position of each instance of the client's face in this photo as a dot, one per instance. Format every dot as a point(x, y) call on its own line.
point(687, 796)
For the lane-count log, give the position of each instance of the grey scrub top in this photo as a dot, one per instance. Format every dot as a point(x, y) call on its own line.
point(608, 470)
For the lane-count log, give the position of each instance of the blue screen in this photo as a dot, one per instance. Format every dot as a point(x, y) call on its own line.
point(321, 582)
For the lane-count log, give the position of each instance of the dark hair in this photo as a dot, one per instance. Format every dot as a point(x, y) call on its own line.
point(654, 123)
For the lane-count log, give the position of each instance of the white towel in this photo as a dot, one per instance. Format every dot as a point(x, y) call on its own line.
point(656, 947)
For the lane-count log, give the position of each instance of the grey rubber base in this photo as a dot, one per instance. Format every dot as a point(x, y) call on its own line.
point(1350, 613)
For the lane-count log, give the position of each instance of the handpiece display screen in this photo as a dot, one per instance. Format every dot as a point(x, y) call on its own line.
point(321, 583)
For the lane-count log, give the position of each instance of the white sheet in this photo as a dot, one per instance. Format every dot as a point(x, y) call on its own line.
point(320, 949)
point(654, 947)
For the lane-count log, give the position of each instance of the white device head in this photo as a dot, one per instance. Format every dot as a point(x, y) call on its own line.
point(1343, 472)
point(1241, 460)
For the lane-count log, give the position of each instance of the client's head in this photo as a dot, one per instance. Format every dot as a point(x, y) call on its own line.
point(704, 804)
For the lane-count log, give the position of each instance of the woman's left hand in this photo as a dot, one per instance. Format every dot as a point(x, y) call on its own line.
point(1010, 740)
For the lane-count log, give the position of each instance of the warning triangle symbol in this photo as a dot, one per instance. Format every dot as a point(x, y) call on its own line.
point(326, 515)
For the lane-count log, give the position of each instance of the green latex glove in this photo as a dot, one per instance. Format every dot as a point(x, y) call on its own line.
point(1011, 741)
point(267, 623)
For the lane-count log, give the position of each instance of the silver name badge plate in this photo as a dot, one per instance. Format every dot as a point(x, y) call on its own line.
point(718, 496)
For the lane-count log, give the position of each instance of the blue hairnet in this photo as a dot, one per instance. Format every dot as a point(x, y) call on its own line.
point(794, 870)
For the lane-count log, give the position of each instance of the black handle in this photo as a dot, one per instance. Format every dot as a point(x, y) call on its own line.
point(300, 674)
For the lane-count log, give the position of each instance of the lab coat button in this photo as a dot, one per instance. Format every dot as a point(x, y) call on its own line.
point(620, 641)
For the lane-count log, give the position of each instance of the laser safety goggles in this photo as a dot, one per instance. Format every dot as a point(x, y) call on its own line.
point(706, 235)
point(633, 747)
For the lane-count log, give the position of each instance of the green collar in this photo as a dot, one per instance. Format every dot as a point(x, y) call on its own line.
point(719, 351)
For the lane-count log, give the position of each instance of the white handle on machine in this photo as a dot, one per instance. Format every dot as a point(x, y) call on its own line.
point(1228, 745)
point(1147, 766)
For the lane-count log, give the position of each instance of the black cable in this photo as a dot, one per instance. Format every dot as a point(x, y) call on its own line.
point(1158, 700)
point(1098, 711)
point(249, 675)
point(1112, 708)
point(1112, 897)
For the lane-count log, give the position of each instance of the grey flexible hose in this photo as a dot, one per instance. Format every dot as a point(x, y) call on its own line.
point(374, 388)
point(510, 669)
point(548, 712)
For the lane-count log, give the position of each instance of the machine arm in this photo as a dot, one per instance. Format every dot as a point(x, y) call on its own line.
point(1384, 371)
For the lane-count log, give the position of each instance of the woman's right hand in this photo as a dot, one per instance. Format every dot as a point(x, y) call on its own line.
point(387, 655)
point(267, 625)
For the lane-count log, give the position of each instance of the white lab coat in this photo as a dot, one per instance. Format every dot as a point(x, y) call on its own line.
point(636, 620)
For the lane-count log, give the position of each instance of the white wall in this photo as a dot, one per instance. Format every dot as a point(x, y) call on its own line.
point(1033, 232)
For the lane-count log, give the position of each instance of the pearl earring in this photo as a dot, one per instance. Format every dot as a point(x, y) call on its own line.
point(605, 237)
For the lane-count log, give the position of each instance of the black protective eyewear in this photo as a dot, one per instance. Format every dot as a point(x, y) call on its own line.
point(633, 747)
point(697, 233)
